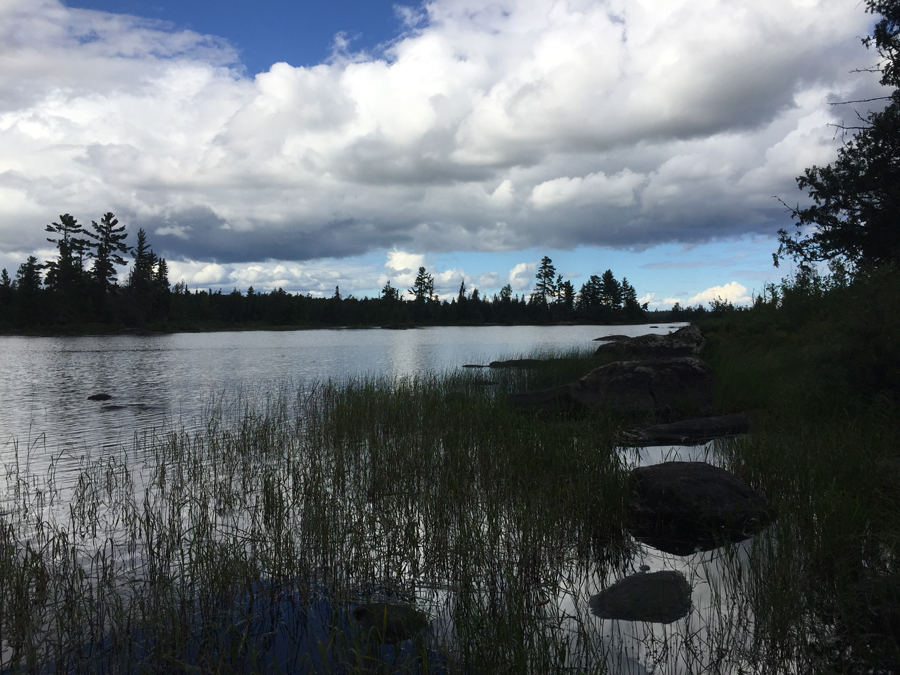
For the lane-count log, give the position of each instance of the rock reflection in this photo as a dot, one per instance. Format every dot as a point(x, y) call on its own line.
point(657, 597)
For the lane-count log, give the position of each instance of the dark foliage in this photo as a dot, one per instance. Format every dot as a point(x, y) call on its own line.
point(75, 298)
point(854, 222)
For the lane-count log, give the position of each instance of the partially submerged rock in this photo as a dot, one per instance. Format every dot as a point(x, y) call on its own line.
point(611, 338)
point(388, 622)
point(676, 383)
point(99, 397)
point(660, 597)
point(682, 507)
point(685, 341)
point(694, 431)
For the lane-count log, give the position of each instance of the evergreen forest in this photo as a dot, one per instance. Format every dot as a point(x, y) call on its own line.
point(78, 291)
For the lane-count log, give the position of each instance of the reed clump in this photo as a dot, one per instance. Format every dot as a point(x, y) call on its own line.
point(242, 547)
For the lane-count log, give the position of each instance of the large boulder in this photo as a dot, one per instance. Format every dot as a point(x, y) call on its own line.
point(659, 597)
point(683, 383)
point(683, 507)
point(692, 432)
point(685, 341)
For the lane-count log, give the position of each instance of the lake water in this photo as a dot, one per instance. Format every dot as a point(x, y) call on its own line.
point(163, 381)
point(166, 381)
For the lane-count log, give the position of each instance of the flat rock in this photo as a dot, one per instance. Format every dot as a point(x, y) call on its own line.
point(683, 383)
point(682, 507)
point(612, 338)
point(660, 597)
point(685, 341)
point(99, 397)
point(388, 622)
point(693, 431)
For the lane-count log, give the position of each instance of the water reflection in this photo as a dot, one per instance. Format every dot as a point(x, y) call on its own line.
point(167, 381)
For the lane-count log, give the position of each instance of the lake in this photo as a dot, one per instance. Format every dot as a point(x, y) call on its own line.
point(50, 428)
point(167, 381)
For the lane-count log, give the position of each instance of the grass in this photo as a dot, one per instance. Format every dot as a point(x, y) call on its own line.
point(244, 547)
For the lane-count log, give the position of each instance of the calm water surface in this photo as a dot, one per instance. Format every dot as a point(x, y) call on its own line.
point(166, 381)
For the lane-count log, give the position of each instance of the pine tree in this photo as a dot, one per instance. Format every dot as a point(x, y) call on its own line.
point(611, 290)
point(854, 222)
point(106, 248)
point(28, 278)
point(591, 293)
point(423, 288)
point(545, 286)
point(65, 273)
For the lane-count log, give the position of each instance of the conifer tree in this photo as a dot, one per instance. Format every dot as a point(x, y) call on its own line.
point(423, 288)
point(545, 286)
point(65, 272)
point(611, 290)
point(854, 221)
point(106, 248)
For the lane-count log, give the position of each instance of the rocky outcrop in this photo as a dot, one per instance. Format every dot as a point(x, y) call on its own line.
point(683, 383)
point(693, 431)
point(685, 341)
point(389, 623)
point(683, 507)
point(659, 597)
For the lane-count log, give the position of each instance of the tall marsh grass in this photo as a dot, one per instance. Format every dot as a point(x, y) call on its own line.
point(169, 555)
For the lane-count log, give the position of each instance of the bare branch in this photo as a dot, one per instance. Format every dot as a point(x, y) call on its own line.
point(864, 100)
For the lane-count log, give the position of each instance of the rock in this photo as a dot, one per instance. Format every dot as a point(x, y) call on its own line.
point(683, 383)
point(692, 432)
point(517, 363)
point(660, 597)
point(473, 365)
point(685, 341)
point(611, 338)
point(99, 397)
point(389, 623)
point(682, 507)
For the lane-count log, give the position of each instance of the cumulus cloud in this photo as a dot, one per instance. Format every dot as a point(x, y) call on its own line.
point(732, 292)
point(493, 127)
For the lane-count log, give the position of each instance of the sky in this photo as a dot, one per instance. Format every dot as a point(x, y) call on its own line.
point(303, 145)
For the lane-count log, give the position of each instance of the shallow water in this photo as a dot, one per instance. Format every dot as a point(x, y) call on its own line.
point(169, 381)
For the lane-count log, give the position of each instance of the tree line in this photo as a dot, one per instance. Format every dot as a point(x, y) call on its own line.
point(79, 288)
point(79, 285)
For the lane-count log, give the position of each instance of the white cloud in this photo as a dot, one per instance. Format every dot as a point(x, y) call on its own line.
point(491, 127)
point(209, 274)
point(522, 275)
point(733, 292)
point(595, 188)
